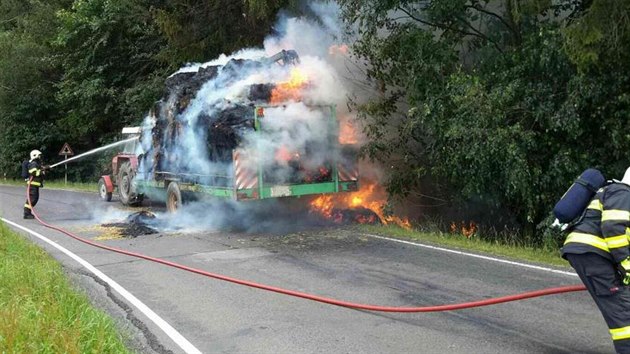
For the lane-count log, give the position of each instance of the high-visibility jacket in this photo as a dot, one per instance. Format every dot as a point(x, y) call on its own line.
point(35, 171)
point(605, 228)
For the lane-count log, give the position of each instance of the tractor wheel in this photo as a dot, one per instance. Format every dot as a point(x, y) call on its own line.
point(173, 197)
point(126, 187)
point(102, 191)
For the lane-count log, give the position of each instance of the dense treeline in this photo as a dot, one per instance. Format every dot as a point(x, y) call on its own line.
point(501, 103)
point(78, 71)
point(493, 104)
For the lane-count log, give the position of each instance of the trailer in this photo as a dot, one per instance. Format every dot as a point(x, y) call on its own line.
point(244, 180)
point(235, 154)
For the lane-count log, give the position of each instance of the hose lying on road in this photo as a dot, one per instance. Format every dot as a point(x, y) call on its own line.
point(450, 307)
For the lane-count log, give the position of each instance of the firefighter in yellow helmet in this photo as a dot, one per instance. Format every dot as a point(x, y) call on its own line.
point(597, 248)
point(35, 181)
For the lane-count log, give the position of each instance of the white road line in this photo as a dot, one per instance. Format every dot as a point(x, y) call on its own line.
point(524, 265)
point(164, 326)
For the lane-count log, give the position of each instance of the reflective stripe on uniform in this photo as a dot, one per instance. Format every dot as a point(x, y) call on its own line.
point(617, 241)
point(620, 333)
point(622, 215)
point(588, 239)
point(27, 206)
point(32, 170)
point(36, 184)
point(596, 205)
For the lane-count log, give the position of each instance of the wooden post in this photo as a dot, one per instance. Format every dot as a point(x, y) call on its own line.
point(65, 151)
point(65, 179)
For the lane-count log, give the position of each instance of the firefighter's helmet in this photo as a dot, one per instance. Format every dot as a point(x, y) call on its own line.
point(35, 154)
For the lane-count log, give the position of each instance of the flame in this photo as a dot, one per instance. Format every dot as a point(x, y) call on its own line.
point(347, 133)
point(324, 205)
point(338, 49)
point(290, 90)
point(371, 196)
point(283, 154)
point(467, 230)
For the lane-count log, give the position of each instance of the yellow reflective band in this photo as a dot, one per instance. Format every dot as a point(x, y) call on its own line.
point(617, 241)
point(27, 206)
point(622, 215)
point(36, 184)
point(32, 170)
point(620, 333)
point(588, 239)
point(596, 205)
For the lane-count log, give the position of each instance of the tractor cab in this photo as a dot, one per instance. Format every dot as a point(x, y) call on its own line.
point(131, 146)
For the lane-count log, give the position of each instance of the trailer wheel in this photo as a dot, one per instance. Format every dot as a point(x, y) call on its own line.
point(102, 191)
point(173, 197)
point(126, 189)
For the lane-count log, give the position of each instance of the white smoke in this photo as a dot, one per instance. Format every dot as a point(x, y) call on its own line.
point(296, 128)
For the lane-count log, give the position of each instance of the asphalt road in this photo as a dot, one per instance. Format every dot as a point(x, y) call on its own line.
point(220, 317)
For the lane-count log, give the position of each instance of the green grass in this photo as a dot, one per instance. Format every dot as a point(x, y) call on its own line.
point(58, 184)
point(470, 244)
point(39, 310)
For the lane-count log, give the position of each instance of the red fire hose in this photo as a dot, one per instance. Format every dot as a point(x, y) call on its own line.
point(464, 305)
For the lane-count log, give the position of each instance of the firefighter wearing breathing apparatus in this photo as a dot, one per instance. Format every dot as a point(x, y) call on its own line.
point(597, 248)
point(35, 181)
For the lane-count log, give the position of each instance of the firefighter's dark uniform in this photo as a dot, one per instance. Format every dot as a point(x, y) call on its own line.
point(36, 180)
point(595, 246)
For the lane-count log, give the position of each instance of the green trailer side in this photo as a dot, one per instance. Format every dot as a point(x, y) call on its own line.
point(344, 176)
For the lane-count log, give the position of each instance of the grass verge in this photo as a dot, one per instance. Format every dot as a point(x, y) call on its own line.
point(57, 184)
point(39, 310)
point(469, 244)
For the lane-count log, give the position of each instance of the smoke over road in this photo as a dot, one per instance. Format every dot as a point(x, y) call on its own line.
point(208, 112)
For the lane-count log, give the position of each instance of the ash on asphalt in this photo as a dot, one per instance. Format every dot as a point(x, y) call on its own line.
point(283, 219)
point(136, 224)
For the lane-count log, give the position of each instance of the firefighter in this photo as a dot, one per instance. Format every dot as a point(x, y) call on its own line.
point(597, 248)
point(35, 181)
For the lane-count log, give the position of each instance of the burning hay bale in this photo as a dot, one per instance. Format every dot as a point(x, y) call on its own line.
point(223, 125)
point(209, 111)
point(135, 225)
point(261, 92)
point(358, 215)
point(366, 206)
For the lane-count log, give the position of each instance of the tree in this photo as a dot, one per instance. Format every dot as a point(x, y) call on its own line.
point(28, 73)
point(197, 31)
point(79, 70)
point(108, 54)
point(481, 97)
point(599, 35)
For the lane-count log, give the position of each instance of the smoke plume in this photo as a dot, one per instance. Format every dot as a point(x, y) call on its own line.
point(208, 110)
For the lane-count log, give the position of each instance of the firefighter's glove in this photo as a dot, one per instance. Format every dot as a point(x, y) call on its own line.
point(624, 267)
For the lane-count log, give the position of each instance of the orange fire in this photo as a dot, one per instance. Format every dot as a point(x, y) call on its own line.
point(290, 90)
point(371, 196)
point(284, 155)
point(324, 205)
point(347, 133)
point(338, 49)
point(467, 230)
